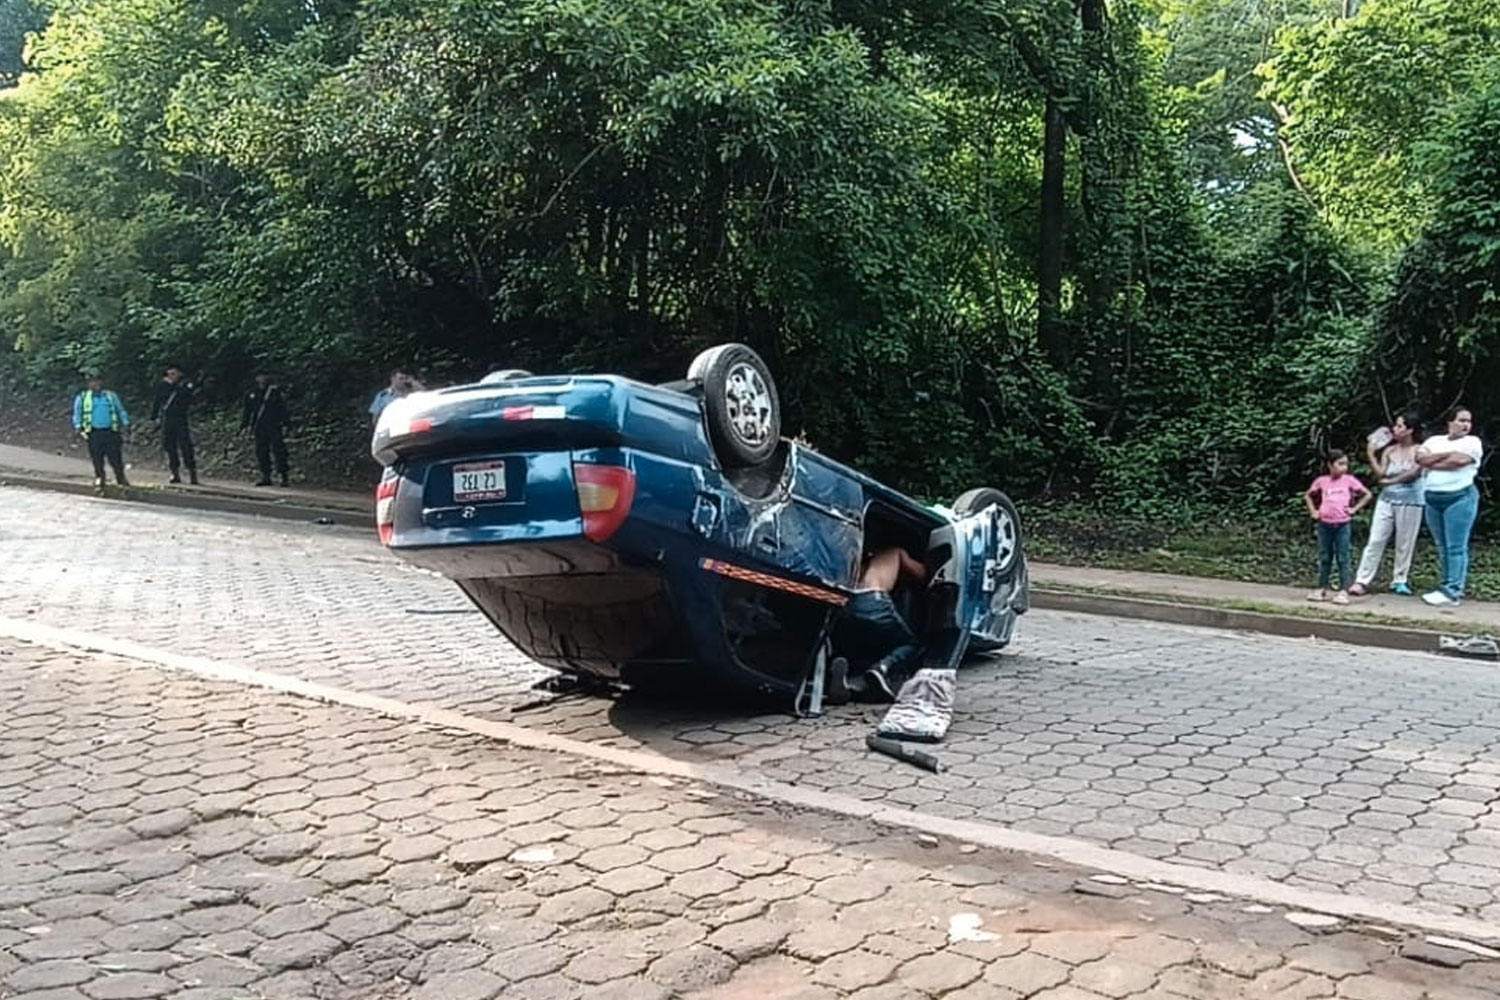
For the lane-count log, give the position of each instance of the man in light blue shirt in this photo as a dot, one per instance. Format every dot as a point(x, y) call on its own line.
point(100, 417)
point(401, 384)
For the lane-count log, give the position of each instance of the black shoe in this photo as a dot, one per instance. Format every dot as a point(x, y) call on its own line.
point(262, 482)
point(878, 683)
point(284, 483)
point(123, 481)
point(193, 476)
point(836, 689)
point(175, 478)
point(99, 483)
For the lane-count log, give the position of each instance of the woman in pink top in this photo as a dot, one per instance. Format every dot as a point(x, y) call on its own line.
point(1329, 502)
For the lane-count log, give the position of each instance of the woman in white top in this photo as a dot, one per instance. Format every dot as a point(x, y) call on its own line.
point(1450, 464)
point(1398, 512)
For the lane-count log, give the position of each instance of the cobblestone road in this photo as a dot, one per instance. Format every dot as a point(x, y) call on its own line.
point(165, 836)
point(1367, 772)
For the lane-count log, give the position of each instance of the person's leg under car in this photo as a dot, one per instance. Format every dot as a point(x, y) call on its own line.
point(883, 646)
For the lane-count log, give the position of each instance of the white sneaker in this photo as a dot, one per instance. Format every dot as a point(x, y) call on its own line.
point(1437, 599)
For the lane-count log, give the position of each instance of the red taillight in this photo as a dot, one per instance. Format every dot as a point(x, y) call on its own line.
point(385, 507)
point(605, 493)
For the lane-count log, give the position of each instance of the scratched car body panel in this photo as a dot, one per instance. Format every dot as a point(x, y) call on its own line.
point(611, 539)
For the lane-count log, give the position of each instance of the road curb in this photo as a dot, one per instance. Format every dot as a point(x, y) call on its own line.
point(1152, 608)
point(277, 508)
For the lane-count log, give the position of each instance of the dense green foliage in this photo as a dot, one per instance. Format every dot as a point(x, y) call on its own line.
point(1275, 219)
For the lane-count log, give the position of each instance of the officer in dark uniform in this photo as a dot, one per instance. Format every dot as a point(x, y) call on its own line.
point(170, 406)
point(266, 414)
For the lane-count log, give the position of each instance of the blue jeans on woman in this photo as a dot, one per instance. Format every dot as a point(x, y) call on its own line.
point(1333, 543)
point(1450, 518)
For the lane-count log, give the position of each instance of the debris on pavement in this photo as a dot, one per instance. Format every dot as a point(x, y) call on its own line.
point(966, 927)
point(923, 709)
point(900, 751)
point(1475, 647)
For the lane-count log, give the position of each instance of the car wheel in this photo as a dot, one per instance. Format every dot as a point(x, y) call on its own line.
point(739, 396)
point(1007, 525)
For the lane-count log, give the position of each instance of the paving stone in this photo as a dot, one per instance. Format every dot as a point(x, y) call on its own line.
point(283, 847)
point(1327, 960)
point(628, 989)
point(574, 905)
point(130, 986)
point(696, 967)
point(1237, 958)
point(470, 984)
point(167, 823)
point(49, 975)
point(748, 940)
point(530, 961)
point(853, 970)
point(136, 961)
point(1374, 987)
point(1428, 953)
point(432, 899)
point(215, 972)
point(600, 966)
point(703, 883)
point(1074, 947)
point(295, 951)
point(1026, 974)
point(822, 939)
point(291, 920)
point(939, 974)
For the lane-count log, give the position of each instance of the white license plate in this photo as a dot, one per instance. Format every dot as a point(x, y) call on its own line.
point(478, 481)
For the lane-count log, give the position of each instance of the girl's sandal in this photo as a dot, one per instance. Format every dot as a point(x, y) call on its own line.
point(1358, 590)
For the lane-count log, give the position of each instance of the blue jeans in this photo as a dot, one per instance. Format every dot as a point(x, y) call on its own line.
point(872, 628)
point(1333, 543)
point(1450, 518)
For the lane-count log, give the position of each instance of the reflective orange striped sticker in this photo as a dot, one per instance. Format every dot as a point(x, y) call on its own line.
point(779, 583)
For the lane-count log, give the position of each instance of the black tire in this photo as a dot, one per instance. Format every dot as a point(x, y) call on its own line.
point(1010, 543)
point(742, 407)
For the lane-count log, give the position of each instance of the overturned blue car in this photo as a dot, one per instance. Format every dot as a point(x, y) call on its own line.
point(635, 533)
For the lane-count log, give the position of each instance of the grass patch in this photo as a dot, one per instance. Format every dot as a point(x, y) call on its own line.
point(1348, 615)
point(1273, 550)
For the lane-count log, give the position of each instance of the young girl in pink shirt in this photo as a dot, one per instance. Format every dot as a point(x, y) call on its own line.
point(1328, 501)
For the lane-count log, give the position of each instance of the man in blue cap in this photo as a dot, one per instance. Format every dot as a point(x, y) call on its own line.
point(100, 417)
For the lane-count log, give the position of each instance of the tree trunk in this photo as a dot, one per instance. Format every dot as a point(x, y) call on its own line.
point(1049, 327)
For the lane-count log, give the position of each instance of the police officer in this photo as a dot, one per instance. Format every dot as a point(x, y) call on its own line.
point(266, 414)
point(170, 406)
point(100, 417)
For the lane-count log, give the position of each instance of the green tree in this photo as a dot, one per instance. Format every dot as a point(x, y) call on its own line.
point(1358, 98)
